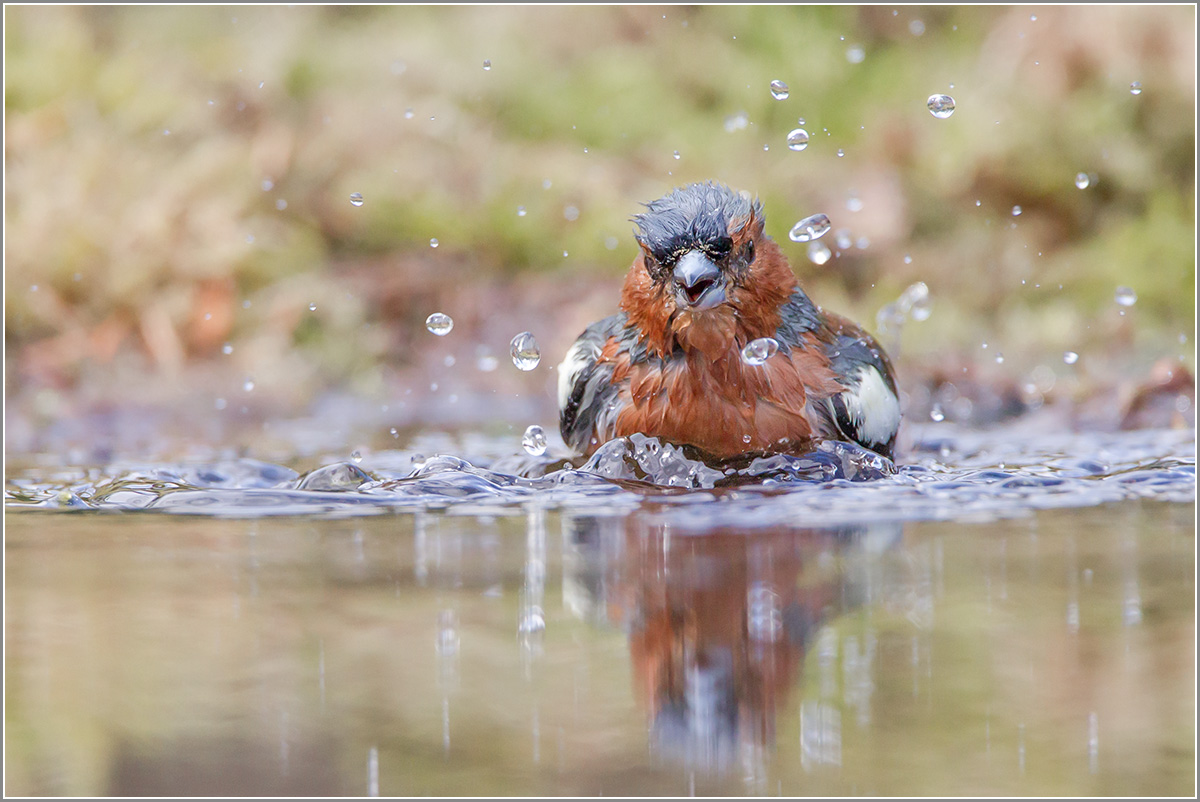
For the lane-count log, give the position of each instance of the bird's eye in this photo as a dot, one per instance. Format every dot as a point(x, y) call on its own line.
point(653, 266)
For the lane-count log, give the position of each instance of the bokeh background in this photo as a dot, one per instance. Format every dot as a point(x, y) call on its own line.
point(184, 266)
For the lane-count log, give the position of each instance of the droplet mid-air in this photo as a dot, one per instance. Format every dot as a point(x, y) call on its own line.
point(439, 324)
point(757, 352)
point(524, 351)
point(534, 440)
point(810, 228)
point(940, 106)
point(797, 139)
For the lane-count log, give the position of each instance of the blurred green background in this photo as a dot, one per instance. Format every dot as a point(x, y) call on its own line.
point(181, 246)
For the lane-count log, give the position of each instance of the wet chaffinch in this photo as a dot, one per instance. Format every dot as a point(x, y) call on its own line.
point(706, 283)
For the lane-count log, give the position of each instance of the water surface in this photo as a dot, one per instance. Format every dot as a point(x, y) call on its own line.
point(999, 616)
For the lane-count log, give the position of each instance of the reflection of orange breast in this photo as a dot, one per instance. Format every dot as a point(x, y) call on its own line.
point(724, 406)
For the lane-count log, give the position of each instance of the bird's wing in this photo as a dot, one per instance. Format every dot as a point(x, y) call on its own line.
point(586, 392)
point(868, 410)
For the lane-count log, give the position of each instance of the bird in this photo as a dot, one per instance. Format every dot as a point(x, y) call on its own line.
point(706, 283)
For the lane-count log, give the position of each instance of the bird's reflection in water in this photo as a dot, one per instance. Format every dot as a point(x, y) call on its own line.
point(719, 622)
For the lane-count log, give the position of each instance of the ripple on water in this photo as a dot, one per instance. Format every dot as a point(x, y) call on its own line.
point(950, 475)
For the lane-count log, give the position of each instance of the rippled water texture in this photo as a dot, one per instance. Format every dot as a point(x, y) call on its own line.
point(1001, 614)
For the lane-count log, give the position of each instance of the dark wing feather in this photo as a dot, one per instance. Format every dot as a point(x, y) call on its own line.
point(585, 381)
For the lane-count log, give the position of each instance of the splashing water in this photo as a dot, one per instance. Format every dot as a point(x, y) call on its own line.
point(524, 351)
point(940, 106)
point(810, 228)
point(439, 324)
point(1135, 88)
point(356, 199)
point(757, 352)
point(779, 90)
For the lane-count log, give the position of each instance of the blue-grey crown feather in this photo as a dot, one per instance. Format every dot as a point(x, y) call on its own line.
point(695, 217)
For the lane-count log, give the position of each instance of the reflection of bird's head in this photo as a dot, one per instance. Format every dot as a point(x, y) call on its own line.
point(698, 243)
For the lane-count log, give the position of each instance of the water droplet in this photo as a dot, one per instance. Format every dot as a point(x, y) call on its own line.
point(166, 132)
point(1016, 211)
point(1126, 296)
point(779, 90)
point(818, 252)
point(936, 415)
point(524, 351)
point(439, 324)
point(999, 359)
point(433, 243)
point(312, 307)
point(1070, 357)
point(356, 456)
point(907, 259)
point(487, 363)
point(940, 106)
point(855, 54)
point(1135, 88)
point(571, 213)
point(1082, 181)
point(281, 204)
point(843, 239)
point(736, 122)
point(676, 155)
point(356, 199)
point(810, 228)
point(854, 204)
point(759, 351)
point(248, 385)
point(520, 211)
point(534, 440)
point(227, 349)
point(916, 27)
point(449, 360)
point(797, 139)
point(261, 84)
point(862, 243)
point(840, 153)
point(487, 64)
point(395, 434)
point(409, 114)
point(1033, 17)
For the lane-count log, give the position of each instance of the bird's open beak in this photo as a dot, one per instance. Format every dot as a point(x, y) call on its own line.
point(698, 283)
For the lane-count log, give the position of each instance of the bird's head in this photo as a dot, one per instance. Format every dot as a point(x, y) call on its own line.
point(699, 244)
